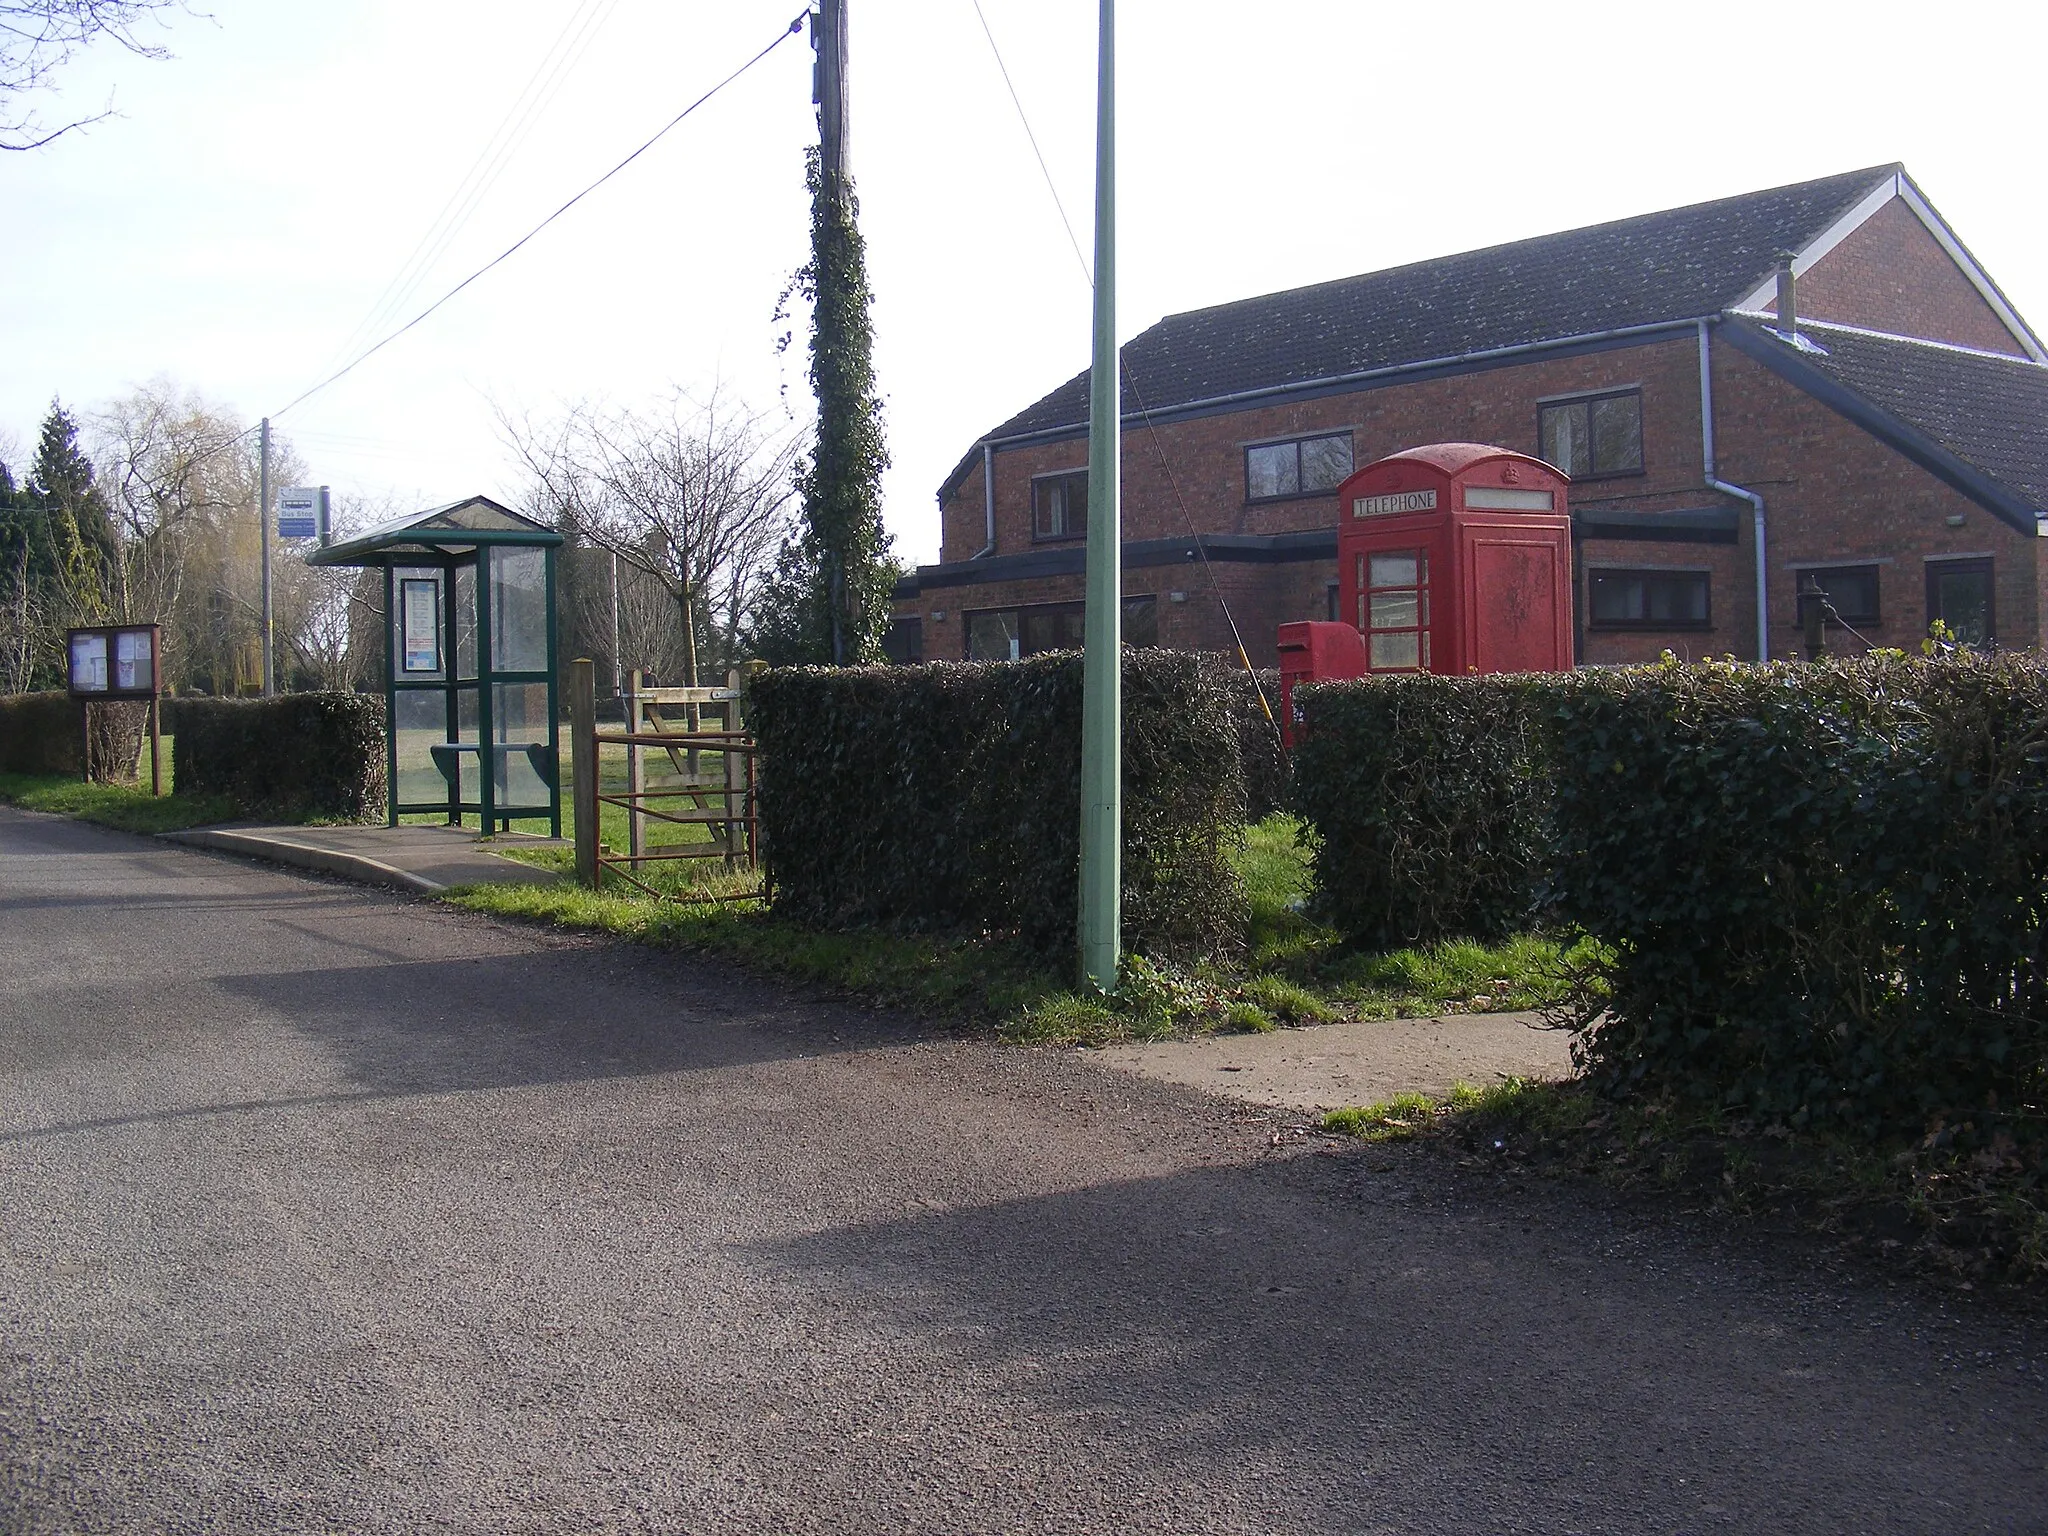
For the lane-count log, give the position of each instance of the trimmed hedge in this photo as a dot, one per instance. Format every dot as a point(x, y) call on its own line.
point(1826, 887)
point(947, 796)
point(1428, 802)
point(39, 734)
point(296, 755)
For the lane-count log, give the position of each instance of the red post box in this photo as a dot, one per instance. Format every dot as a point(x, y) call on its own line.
point(1314, 652)
point(1451, 558)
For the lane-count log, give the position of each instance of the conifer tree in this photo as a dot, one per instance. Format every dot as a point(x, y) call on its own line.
point(85, 559)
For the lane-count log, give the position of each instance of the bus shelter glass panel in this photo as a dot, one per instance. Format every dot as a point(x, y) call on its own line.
point(519, 719)
point(465, 621)
point(419, 723)
point(466, 732)
point(519, 610)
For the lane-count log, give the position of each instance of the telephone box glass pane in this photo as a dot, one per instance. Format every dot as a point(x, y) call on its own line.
point(1390, 652)
point(1396, 610)
point(519, 610)
point(416, 625)
point(1397, 570)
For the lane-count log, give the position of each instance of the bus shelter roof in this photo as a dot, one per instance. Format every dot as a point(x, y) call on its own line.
point(454, 529)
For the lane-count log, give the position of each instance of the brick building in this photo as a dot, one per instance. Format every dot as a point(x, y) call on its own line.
point(1891, 445)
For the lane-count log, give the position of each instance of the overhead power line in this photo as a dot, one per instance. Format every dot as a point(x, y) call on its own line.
point(534, 98)
point(1022, 117)
point(795, 27)
point(1124, 371)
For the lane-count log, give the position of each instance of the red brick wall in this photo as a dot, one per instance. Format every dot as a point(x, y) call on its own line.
point(1892, 275)
point(1201, 462)
point(1834, 494)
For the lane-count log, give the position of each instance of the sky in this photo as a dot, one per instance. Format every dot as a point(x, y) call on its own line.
point(235, 227)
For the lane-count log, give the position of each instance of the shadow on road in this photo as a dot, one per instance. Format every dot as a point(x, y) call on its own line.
point(1425, 1327)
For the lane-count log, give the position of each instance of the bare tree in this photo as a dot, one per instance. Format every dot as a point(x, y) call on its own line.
point(694, 494)
point(329, 619)
point(180, 476)
point(38, 37)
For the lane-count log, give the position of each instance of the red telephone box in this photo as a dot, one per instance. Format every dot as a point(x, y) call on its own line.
point(1451, 558)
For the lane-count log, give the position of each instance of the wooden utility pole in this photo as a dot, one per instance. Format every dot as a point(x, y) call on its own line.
point(583, 765)
point(828, 89)
point(263, 528)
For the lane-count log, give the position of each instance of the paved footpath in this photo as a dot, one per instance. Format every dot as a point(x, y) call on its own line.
point(325, 1209)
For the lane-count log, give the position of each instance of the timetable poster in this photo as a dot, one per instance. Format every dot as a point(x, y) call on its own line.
point(422, 609)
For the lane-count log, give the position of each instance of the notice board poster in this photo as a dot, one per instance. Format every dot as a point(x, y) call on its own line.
point(420, 605)
point(131, 659)
point(89, 663)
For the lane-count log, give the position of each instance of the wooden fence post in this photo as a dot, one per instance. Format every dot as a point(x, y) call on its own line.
point(636, 769)
point(583, 764)
point(730, 763)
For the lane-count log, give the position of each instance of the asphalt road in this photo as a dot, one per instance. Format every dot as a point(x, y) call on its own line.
point(328, 1210)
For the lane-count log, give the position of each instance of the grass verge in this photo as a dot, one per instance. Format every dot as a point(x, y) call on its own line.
point(1291, 955)
point(129, 807)
point(951, 977)
point(1921, 1203)
point(1297, 972)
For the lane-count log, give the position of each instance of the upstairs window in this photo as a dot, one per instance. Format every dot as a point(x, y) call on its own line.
point(1306, 466)
point(1059, 506)
point(1593, 436)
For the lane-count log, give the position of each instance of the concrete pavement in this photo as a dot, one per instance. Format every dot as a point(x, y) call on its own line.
point(1358, 1061)
point(327, 1209)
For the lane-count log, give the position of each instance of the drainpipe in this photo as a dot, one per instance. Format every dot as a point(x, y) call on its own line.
point(1756, 502)
point(988, 499)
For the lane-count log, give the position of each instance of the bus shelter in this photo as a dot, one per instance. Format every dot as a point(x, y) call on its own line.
point(469, 662)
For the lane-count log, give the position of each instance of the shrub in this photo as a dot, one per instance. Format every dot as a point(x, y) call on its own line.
point(296, 755)
point(1826, 887)
point(39, 734)
point(947, 796)
point(1427, 797)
